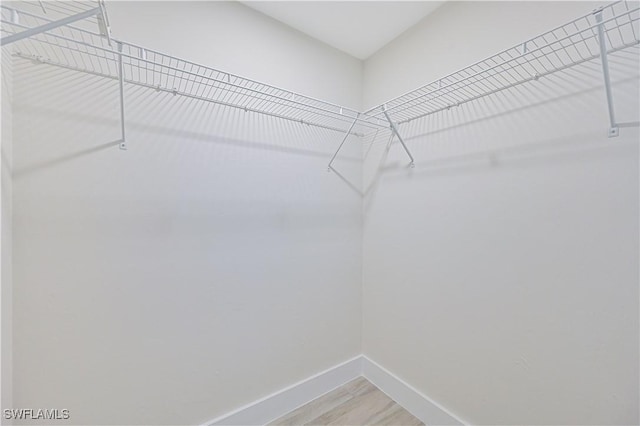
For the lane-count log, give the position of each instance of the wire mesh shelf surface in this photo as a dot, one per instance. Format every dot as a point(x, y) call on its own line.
point(81, 46)
point(568, 45)
point(51, 10)
point(88, 51)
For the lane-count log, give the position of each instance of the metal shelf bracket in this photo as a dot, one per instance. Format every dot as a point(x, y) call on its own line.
point(103, 22)
point(394, 129)
point(123, 141)
point(342, 143)
point(614, 130)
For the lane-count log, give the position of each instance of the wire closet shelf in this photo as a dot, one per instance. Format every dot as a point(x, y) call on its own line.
point(568, 45)
point(75, 35)
point(81, 48)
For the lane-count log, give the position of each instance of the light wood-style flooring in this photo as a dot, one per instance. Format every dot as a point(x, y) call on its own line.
point(355, 403)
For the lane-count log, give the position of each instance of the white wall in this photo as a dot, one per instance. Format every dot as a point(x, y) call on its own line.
point(214, 262)
point(501, 274)
point(6, 288)
point(457, 35)
point(238, 39)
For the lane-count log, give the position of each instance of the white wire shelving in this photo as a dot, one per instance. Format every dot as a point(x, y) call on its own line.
point(76, 36)
point(608, 29)
point(20, 18)
point(81, 49)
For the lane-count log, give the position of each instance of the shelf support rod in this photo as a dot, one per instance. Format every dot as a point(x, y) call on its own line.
point(343, 141)
point(103, 22)
point(49, 26)
point(394, 129)
point(123, 142)
point(613, 127)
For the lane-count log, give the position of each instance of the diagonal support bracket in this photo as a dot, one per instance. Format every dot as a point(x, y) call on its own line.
point(613, 126)
point(342, 143)
point(123, 142)
point(49, 26)
point(394, 129)
point(103, 22)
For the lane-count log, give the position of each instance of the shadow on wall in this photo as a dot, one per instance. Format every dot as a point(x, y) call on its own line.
point(63, 98)
point(217, 235)
point(481, 134)
point(539, 121)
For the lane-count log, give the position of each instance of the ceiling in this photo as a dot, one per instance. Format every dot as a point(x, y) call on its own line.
point(359, 28)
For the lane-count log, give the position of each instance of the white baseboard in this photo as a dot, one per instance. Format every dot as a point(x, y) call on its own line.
point(288, 399)
point(418, 404)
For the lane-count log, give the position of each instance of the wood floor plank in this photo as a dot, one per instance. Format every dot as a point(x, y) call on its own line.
point(315, 408)
point(402, 417)
point(359, 386)
point(397, 416)
point(356, 403)
point(362, 409)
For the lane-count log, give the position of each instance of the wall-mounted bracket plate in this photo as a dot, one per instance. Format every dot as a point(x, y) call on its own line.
point(614, 132)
